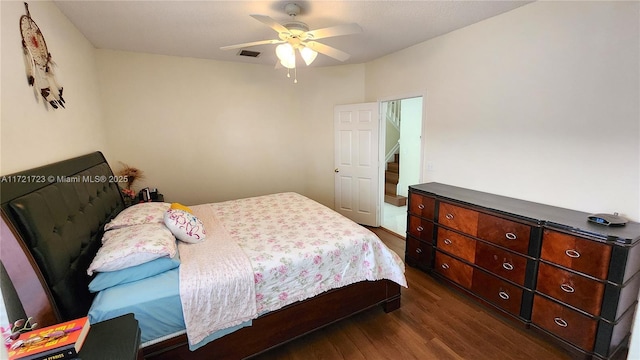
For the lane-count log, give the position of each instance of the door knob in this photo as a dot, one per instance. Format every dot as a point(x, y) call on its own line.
point(336, 170)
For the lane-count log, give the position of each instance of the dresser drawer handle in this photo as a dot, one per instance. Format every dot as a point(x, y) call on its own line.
point(510, 236)
point(421, 207)
point(447, 241)
point(449, 216)
point(560, 322)
point(567, 288)
point(445, 266)
point(503, 295)
point(507, 266)
point(418, 250)
point(572, 254)
point(419, 228)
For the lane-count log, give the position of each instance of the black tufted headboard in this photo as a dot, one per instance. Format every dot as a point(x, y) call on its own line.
point(59, 212)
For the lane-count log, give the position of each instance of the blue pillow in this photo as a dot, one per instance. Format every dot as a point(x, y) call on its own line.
point(104, 280)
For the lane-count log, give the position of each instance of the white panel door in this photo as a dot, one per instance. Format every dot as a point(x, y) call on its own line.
point(357, 184)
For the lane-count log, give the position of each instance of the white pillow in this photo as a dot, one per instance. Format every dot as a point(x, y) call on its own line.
point(184, 225)
point(131, 246)
point(143, 213)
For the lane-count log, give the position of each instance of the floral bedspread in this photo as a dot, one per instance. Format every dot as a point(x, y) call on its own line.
point(299, 248)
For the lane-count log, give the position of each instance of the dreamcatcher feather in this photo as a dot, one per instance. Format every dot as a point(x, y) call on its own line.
point(38, 63)
point(43, 79)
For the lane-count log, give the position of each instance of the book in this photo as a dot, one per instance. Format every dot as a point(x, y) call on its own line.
point(55, 342)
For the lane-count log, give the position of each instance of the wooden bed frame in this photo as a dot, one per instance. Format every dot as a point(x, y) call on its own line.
point(52, 223)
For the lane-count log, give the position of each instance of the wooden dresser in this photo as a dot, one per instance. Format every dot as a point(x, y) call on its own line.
point(544, 266)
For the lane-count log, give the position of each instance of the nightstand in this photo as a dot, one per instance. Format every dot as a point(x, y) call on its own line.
point(148, 196)
point(130, 202)
point(117, 338)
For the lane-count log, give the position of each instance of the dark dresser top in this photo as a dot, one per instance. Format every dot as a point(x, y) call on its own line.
point(549, 216)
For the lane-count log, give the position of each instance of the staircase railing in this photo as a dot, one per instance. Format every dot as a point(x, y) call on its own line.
point(394, 150)
point(393, 113)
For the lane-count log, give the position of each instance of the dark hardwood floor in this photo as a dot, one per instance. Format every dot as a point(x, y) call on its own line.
point(434, 322)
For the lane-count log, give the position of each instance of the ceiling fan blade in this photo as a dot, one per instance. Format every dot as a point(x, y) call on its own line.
point(261, 42)
point(334, 31)
point(328, 50)
point(270, 23)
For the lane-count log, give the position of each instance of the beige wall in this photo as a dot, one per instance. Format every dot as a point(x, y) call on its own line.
point(540, 103)
point(205, 131)
point(31, 135)
point(201, 130)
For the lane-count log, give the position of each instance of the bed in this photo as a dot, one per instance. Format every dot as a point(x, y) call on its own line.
point(53, 223)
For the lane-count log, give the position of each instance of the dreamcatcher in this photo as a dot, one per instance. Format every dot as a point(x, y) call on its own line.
point(38, 63)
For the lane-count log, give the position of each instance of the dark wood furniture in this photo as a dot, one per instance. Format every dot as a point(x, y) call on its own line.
point(117, 338)
point(130, 202)
point(52, 225)
point(544, 266)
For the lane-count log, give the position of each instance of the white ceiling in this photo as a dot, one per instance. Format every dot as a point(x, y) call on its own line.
point(199, 28)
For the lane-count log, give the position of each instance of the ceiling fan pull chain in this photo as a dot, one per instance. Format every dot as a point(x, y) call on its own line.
point(295, 75)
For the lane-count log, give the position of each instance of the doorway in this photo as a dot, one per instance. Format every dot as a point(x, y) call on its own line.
point(402, 130)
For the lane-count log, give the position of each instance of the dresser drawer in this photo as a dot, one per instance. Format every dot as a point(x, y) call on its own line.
point(420, 228)
point(589, 257)
point(458, 218)
point(501, 262)
point(499, 292)
point(506, 233)
point(570, 288)
point(564, 322)
point(422, 206)
point(420, 252)
point(456, 244)
point(454, 270)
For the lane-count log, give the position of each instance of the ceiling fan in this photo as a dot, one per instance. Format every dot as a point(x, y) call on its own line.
point(295, 35)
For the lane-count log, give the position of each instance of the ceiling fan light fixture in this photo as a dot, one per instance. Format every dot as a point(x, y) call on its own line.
point(286, 54)
point(308, 55)
point(295, 35)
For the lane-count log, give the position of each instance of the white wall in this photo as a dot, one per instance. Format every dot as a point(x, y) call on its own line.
point(201, 130)
point(540, 103)
point(410, 144)
point(32, 135)
point(205, 131)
